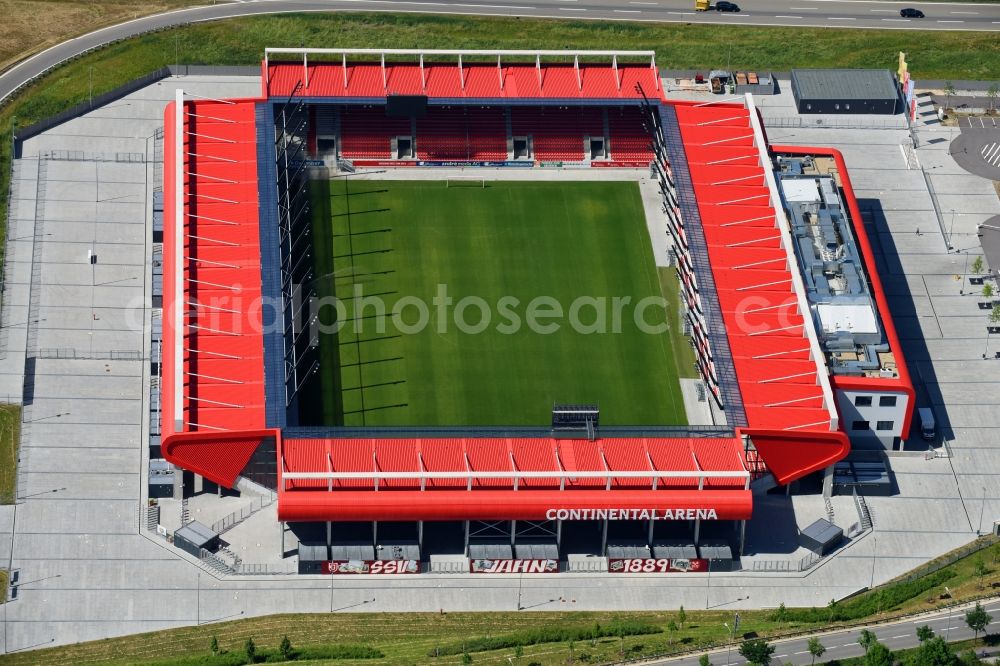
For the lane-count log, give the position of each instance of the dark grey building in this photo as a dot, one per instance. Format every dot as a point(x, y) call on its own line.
point(194, 537)
point(865, 91)
point(821, 537)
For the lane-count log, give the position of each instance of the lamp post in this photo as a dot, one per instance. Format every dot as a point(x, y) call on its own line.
point(982, 510)
point(729, 646)
point(947, 630)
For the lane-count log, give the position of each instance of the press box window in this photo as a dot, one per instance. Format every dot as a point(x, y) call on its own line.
point(887, 401)
point(860, 425)
point(862, 401)
point(884, 425)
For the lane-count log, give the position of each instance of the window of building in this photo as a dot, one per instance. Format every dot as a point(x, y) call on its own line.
point(884, 425)
point(860, 425)
point(887, 401)
point(862, 401)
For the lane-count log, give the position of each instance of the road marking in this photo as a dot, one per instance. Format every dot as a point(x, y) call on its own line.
point(840, 18)
point(788, 17)
point(643, 3)
point(900, 636)
point(572, 9)
point(849, 644)
point(803, 9)
point(991, 154)
point(964, 12)
point(887, 11)
point(682, 13)
point(493, 6)
point(898, 20)
point(951, 21)
point(779, 656)
point(803, 652)
point(627, 11)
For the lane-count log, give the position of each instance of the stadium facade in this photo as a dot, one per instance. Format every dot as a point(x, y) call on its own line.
point(785, 307)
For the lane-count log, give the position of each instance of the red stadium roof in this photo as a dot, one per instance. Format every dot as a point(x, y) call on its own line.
point(507, 81)
point(507, 478)
point(213, 363)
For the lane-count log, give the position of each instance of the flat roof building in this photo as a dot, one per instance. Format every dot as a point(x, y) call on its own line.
point(856, 91)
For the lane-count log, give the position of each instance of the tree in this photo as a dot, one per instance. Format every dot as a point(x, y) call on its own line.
point(816, 649)
point(977, 619)
point(251, 651)
point(285, 648)
point(757, 651)
point(924, 633)
point(949, 90)
point(934, 652)
point(681, 616)
point(877, 655)
point(988, 293)
point(672, 628)
point(703, 660)
point(781, 615)
point(995, 314)
point(992, 93)
point(214, 646)
point(981, 570)
point(867, 639)
point(977, 265)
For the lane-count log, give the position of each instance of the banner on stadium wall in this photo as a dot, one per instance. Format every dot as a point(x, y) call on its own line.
point(913, 109)
point(370, 567)
point(659, 565)
point(440, 163)
point(513, 566)
point(622, 164)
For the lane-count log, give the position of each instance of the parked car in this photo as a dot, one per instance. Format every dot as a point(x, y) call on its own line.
point(910, 12)
point(727, 7)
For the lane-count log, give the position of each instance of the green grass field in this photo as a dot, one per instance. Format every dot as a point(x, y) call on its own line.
point(510, 240)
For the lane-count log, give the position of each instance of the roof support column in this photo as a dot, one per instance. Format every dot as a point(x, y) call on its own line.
point(305, 68)
point(614, 66)
point(385, 82)
point(656, 74)
point(538, 68)
point(576, 66)
point(423, 80)
point(345, 69)
point(500, 71)
point(461, 72)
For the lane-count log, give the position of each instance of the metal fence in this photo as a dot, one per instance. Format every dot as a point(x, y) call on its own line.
point(68, 353)
point(237, 517)
point(799, 122)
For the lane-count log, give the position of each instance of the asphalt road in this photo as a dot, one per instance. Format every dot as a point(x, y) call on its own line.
point(843, 644)
point(823, 13)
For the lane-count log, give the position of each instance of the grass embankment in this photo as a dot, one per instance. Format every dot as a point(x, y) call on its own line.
point(30, 26)
point(577, 253)
point(10, 429)
point(549, 639)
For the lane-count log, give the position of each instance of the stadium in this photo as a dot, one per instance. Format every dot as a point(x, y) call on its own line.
point(514, 450)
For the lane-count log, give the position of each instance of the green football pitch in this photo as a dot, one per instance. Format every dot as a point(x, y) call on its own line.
point(400, 244)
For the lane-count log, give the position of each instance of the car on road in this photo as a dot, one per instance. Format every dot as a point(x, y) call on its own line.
point(910, 12)
point(727, 7)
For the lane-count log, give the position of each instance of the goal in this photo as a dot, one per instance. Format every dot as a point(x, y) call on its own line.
point(465, 181)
